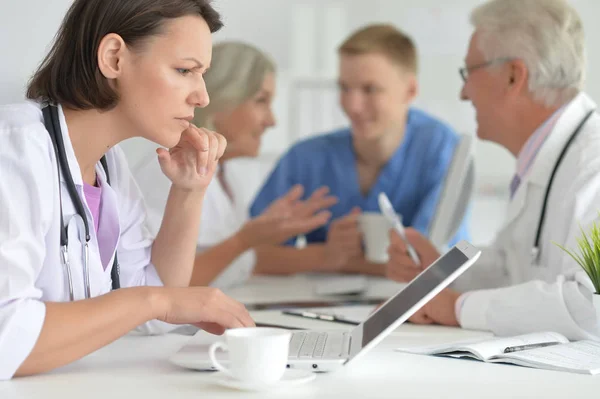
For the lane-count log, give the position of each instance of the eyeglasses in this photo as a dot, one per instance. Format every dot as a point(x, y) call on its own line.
point(466, 71)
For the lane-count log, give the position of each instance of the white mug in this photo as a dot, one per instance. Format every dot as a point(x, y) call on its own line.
point(375, 230)
point(257, 355)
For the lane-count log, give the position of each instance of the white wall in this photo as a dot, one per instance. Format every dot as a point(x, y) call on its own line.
point(26, 30)
point(303, 40)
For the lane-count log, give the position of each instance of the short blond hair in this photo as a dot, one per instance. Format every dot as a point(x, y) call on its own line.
point(383, 39)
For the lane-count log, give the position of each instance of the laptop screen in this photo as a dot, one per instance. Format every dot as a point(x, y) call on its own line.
point(412, 294)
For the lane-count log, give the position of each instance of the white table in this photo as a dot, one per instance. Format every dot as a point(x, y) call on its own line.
point(270, 289)
point(138, 367)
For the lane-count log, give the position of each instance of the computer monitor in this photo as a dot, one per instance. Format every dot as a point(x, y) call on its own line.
point(455, 194)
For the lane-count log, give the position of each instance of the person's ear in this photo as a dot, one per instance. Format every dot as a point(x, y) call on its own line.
point(111, 52)
point(412, 88)
point(518, 76)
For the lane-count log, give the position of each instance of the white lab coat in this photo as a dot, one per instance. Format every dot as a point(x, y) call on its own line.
point(515, 296)
point(31, 271)
point(222, 217)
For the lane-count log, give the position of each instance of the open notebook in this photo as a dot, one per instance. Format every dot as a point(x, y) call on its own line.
point(577, 357)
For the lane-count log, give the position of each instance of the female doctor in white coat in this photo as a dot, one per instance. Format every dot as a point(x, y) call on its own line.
point(118, 69)
point(531, 103)
point(241, 84)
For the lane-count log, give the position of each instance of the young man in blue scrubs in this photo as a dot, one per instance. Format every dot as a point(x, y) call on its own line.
point(390, 147)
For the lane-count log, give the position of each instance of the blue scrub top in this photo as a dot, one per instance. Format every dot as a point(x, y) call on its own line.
point(412, 178)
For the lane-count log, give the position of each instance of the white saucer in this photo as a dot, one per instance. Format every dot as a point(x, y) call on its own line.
point(290, 378)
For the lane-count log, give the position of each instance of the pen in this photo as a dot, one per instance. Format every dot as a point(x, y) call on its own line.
point(319, 316)
point(511, 349)
point(388, 211)
point(259, 324)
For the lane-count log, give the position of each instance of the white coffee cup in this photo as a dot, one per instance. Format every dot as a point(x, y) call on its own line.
point(375, 230)
point(257, 355)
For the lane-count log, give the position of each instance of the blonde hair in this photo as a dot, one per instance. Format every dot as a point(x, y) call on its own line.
point(547, 35)
point(384, 39)
point(237, 73)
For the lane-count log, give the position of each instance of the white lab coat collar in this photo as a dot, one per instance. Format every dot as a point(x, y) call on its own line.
point(544, 162)
point(574, 113)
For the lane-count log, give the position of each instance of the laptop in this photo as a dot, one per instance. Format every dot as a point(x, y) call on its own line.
point(323, 351)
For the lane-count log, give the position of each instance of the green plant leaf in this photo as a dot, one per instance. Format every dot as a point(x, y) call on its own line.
point(587, 254)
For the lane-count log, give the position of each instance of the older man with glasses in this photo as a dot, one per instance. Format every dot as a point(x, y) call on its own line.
point(523, 74)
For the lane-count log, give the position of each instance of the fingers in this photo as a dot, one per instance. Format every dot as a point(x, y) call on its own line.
point(236, 309)
point(212, 159)
point(318, 202)
point(242, 314)
point(397, 244)
point(349, 242)
point(415, 238)
point(345, 231)
point(224, 311)
point(210, 147)
point(164, 156)
point(420, 318)
point(348, 221)
point(296, 226)
point(294, 194)
point(400, 266)
point(200, 140)
point(222, 145)
point(398, 252)
point(345, 235)
point(421, 244)
point(400, 274)
point(212, 328)
point(320, 192)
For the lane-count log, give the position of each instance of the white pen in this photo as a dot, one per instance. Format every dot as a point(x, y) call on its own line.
point(388, 211)
point(319, 316)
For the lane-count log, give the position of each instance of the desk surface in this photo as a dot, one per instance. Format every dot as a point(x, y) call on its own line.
point(138, 366)
point(269, 289)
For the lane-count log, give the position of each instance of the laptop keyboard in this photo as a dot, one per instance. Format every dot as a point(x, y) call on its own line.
point(306, 345)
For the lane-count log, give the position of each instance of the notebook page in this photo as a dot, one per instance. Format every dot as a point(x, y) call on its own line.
point(581, 356)
point(487, 348)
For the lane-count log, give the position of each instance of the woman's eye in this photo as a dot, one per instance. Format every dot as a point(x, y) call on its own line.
point(183, 71)
point(370, 89)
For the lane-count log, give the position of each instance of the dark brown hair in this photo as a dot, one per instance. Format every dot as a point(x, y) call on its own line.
point(383, 39)
point(70, 74)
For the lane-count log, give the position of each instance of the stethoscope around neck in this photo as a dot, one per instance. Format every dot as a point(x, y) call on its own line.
point(535, 251)
point(79, 220)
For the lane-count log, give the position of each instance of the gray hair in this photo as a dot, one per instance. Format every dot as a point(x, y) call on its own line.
point(547, 35)
point(237, 73)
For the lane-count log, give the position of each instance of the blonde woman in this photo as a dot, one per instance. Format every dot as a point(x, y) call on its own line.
point(241, 83)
